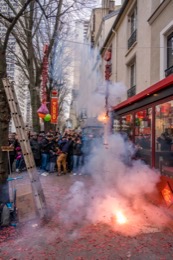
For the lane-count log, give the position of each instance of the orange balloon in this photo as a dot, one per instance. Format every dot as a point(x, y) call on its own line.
point(40, 115)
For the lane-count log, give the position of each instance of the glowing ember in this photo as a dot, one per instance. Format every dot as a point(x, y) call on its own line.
point(121, 219)
point(102, 118)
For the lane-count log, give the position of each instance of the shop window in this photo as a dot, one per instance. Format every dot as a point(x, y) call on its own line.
point(143, 137)
point(124, 125)
point(164, 136)
point(127, 125)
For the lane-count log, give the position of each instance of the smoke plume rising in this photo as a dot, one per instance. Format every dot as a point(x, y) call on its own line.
point(118, 185)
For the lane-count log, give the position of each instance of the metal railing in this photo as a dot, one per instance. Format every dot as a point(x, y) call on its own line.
point(131, 92)
point(132, 39)
point(169, 71)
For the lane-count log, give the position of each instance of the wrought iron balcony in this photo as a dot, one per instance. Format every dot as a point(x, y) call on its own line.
point(131, 92)
point(169, 71)
point(132, 39)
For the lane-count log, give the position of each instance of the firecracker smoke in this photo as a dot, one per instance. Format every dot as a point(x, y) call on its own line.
point(119, 185)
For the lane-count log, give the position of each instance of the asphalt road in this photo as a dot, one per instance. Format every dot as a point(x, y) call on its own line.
point(68, 236)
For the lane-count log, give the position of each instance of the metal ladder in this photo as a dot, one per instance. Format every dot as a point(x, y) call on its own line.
point(26, 148)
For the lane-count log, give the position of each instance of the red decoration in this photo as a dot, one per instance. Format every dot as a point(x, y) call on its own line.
point(128, 118)
point(141, 114)
point(108, 71)
point(165, 109)
point(108, 55)
point(44, 73)
point(54, 92)
point(54, 109)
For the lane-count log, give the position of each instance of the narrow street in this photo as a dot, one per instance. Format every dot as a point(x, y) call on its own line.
point(59, 239)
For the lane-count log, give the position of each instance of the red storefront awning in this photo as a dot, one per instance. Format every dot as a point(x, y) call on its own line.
point(151, 90)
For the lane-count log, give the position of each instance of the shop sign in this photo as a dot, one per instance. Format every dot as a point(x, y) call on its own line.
point(54, 110)
point(7, 148)
point(167, 195)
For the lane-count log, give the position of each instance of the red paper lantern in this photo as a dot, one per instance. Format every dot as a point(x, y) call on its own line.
point(128, 118)
point(107, 56)
point(141, 114)
point(165, 109)
point(54, 92)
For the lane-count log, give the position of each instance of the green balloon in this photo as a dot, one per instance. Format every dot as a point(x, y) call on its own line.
point(47, 118)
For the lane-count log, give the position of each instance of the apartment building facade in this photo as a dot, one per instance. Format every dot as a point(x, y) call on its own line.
point(141, 46)
point(137, 49)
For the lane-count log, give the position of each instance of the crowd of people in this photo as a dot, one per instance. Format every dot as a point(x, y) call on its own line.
point(52, 152)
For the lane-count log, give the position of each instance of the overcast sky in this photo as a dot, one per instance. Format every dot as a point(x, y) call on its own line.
point(117, 2)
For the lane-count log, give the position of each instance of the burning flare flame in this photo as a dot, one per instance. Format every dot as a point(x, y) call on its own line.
point(120, 217)
point(102, 118)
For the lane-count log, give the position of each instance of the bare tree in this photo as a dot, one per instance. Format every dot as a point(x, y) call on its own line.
point(33, 24)
point(4, 109)
point(41, 24)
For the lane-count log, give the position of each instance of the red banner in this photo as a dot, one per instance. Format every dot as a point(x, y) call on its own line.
point(44, 73)
point(54, 110)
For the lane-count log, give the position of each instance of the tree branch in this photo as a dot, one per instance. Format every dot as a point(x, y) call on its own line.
point(10, 19)
point(41, 7)
point(14, 22)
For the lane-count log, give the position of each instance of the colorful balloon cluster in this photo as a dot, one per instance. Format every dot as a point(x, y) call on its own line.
point(43, 112)
point(46, 117)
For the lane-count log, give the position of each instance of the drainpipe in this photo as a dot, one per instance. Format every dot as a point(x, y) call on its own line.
point(116, 61)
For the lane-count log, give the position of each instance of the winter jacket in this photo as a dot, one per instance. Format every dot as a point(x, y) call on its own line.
point(35, 146)
point(77, 149)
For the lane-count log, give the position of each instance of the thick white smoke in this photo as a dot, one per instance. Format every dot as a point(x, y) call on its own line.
point(116, 185)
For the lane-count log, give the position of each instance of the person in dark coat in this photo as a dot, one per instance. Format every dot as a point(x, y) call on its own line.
point(62, 158)
point(52, 157)
point(35, 147)
point(70, 154)
point(46, 144)
point(13, 142)
point(165, 142)
point(77, 156)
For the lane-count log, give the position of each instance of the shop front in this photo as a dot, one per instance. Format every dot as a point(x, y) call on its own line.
point(147, 118)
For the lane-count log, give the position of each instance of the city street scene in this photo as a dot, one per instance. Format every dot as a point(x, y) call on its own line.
point(86, 129)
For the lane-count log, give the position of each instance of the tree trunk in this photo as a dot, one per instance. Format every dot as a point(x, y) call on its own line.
point(4, 126)
point(35, 104)
point(33, 85)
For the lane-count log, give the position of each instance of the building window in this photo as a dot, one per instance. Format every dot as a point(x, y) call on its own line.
point(132, 79)
point(133, 22)
point(169, 69)
point(132, 75)
point(133, 27)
